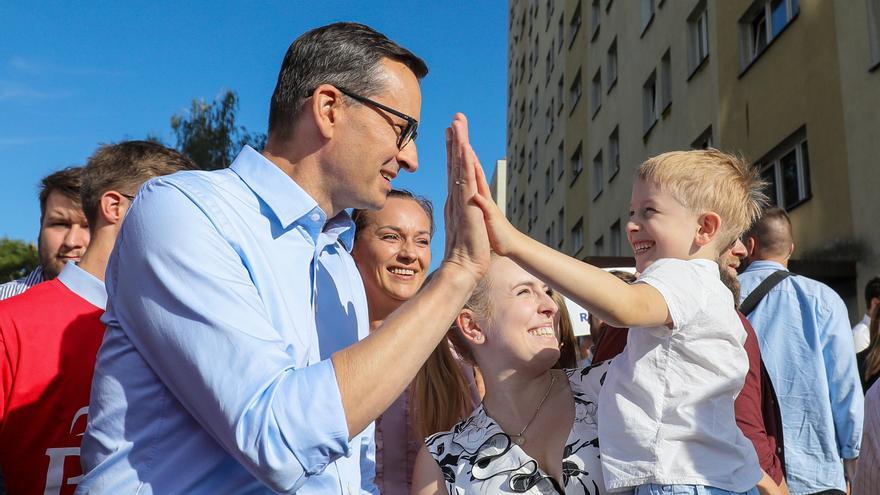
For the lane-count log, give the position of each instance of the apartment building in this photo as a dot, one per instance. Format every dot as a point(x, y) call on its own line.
point(597, 86)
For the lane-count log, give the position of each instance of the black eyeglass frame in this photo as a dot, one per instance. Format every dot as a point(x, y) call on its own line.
point(409, 133)
point(127, 196)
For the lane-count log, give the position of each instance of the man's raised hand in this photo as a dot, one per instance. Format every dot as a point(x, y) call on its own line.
point(467, 244)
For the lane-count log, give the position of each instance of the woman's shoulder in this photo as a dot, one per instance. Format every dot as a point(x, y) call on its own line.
point(589, 380)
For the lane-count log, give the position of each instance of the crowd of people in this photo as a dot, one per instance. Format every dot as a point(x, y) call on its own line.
point(273, 327)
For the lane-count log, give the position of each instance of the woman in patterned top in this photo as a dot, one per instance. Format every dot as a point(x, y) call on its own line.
point(535, 431)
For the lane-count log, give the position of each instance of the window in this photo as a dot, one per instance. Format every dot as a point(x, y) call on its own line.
point(548, 239)
point(559, 95)
point(614, 238)
point(650, 102)
point(533, 160)
point(560, 159)
point(548, 182)
point(547, 67)
point(611, 66)
point(595, 11)
point(531, 211)
point(522, 159)
point(560, 28)
point(647, 14)
point(577, 163)
point(535, 100)
point(873, 7)
point(535, 210)
point(665, 82)
point(522, 208)
point(763, 22)
point(598, 179)
point(599, 246)
point(535, 52)
point(577, 237)
point(560, 225)
point(704, 140)
point(574, 25)
point(787, 170)
point(574, 91)
point(613, 153)
point(698, 37)
point(596, 93)
point(548, 121)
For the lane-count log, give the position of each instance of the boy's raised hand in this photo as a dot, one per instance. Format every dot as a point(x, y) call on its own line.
point(502, 234)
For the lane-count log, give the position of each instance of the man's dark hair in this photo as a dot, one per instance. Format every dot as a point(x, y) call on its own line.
point(772, 231)
point(361, 217)
point(872, 290)
point(344, 54)
point(66, 181)
point(123, 167)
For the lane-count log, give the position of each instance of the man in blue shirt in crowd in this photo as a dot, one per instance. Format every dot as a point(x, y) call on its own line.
point(236, 358)
point(807, 347)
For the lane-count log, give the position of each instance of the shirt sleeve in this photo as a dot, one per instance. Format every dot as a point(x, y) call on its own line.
point(845, 389)
point(679, 282)
point(183, 295)
point(368, 461)
point(749, 416)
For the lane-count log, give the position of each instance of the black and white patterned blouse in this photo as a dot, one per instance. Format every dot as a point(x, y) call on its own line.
point(477, 457)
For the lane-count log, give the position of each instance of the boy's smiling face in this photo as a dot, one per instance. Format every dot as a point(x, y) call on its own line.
point(659, 226)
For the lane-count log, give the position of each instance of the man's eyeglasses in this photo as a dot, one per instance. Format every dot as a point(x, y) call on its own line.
point(410, 132)
point(129, 196)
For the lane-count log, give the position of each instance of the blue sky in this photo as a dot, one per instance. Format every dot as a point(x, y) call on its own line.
point(77, 74)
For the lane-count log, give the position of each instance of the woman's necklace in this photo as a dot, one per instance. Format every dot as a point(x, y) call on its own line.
point(519, 438)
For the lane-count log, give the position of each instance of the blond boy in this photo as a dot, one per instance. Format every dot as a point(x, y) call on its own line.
point(666, 414)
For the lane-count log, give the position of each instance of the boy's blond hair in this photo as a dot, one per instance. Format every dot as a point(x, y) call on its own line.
point(710, 180)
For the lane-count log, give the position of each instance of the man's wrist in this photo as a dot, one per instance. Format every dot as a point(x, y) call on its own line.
point(456, 275)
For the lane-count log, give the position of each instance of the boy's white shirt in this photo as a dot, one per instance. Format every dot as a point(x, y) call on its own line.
point(666, 412)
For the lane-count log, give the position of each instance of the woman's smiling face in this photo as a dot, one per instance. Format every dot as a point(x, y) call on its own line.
point(520, 324)
point(393, 253)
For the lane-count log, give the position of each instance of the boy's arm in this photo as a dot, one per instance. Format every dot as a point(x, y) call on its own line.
point(609, 298)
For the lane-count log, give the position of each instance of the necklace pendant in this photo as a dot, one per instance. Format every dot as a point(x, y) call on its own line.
point(519, 440)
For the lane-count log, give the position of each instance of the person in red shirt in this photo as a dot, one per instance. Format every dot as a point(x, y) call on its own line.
point(49, 336)
point(757, 412)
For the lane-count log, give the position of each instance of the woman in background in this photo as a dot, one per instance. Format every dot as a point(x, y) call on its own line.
point(392, 250)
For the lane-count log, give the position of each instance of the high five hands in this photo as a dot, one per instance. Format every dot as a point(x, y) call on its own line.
point(473, 220)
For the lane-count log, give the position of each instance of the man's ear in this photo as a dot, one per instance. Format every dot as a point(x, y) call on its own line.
point(709, 224)
point(113, 207)
point(325, 106)
point(469, 327)
point(751, 245)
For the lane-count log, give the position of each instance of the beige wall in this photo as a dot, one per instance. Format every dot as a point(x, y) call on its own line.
point(860, 90)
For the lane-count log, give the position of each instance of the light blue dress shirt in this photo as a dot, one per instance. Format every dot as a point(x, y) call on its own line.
point(228, 293)
point(807, 346)
point(84, 284)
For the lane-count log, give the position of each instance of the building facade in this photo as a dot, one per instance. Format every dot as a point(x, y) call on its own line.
point(597, 86)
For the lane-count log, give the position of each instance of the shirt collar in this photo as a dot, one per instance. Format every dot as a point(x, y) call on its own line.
point(342, 227)
point(84, 284)
point(765, 265)
point(287, 200)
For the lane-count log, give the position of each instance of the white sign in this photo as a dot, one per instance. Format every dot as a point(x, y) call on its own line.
point(580, 317)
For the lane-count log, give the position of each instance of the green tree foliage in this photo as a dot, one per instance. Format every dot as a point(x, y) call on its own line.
point(208, 133)
point(17, 258)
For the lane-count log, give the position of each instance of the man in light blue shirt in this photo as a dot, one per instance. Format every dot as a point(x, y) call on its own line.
point(233, 359)
point(807, 347)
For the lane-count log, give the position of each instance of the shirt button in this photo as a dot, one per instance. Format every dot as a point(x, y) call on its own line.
point(315, 217)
